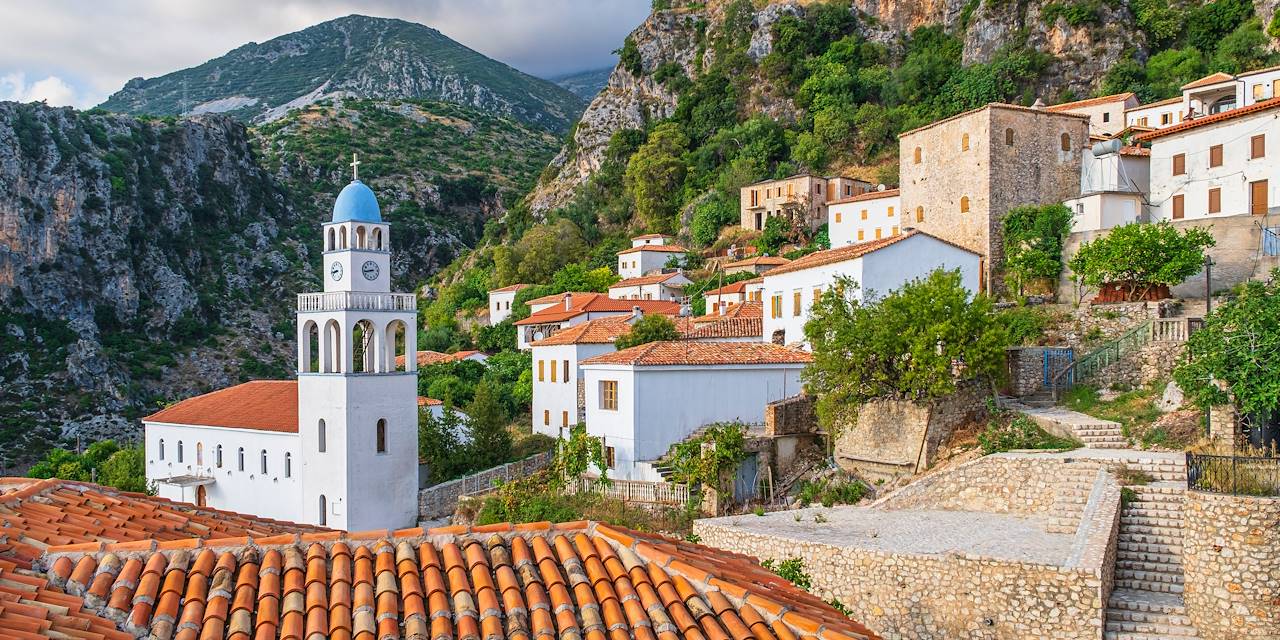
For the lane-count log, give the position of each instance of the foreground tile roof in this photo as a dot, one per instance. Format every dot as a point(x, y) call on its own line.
point(37, 514)
point(675, 353)
point(1257, 107)
point(573, 581)
point(264, 405)
point(598, 302)
point(29, 608)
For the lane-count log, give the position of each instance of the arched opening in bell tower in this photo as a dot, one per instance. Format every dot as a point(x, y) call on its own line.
point(364, 345)
point(331, 352)
point(309, 362)
point(377, 239)
point(328, 245)
point(342, 238)
point(360, 238)
point(396, 344)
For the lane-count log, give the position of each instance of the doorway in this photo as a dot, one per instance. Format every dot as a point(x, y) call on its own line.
point(1258, 198)
point(201, 496)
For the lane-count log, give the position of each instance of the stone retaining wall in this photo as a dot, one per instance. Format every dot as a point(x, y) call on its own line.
point(905, 435)
point(1152, 362)
point(788, 416)
point(1231, 562)
point(1024, 371)
point(441, 500)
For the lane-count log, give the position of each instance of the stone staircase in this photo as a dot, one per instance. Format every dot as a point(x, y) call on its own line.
point(1095, 433)
point(1146, 602)
point(1073, 484)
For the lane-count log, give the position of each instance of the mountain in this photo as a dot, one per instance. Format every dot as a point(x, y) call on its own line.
point(585, 84)
point(356, 56)
point(143, 260)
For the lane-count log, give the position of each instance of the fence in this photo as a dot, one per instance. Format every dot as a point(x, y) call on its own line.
point(635, 491)
point(440, 500)
point(1235, 475)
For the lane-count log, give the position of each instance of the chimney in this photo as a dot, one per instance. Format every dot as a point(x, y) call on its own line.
point(1039, 104)
point(568, 301)
point(637, 312)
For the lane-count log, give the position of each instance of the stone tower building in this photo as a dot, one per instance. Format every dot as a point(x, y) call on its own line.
point(959, 176)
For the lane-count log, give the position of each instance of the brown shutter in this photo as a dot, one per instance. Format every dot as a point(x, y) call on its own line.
point(1258, 197)
point(1215, 155)
point(1215, 200)
point(1178, 210)
point(1257, 146)
point(1179, 164)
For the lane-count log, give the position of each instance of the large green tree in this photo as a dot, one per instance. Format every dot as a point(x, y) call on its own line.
point(1033, 239)
point(1141, 256)
point(650, 328)
point(655, 174)
point(487, 423)
point(916, 343)
point(104, 462)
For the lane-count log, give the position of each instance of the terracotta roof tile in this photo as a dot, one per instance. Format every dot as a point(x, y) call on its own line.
point(1090, 102)
point(582, 303)
point(1213, 78)
point(726, 327)
point(758, 261)
point(643, 280)
point(598, 331)
point(702, 353)
point(1158, 103)
point(265, 405)
point(850, 252)
point(651, 236)
point(870, 195)
point(427, 358)
point(509, 288)
point(661, 248)
point(1257, 107)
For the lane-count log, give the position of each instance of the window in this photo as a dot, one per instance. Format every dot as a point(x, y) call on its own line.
point(1257, 146)
point(1008, 137)
point(564, 418)
point(1178, 210)
point(916, 156)
point(1166, 118)
point(1215, 155)
point(864, 214)
point(179, 451)
point(240, 459)
point(837, 216)
point(775, 302)
point(862, 234)
point(919, 214)
point(877, 233)
point(964, 142)
point(199, 454)
point(610, 457)
point(566, 371)
point(288, 465)
point(217, 457)
point(1142, 122)
point(541, 371)
point(162, 448)
point(1106, 117)
point(546, 417)
point(964, 204)
point(1180, 164)
point(895, 231)
point(381, 435)
point(795, 302)
point(324, 511)
point(1259, 91)
point(1215, 200)
point(553, 370)
point(890, 212)
point(263, 460)
point(321, 436)
point(609, 395)
point(817, 294)
point(1066, 142)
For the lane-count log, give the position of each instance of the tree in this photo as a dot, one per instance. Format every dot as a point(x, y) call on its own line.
point(1033, 239)
point(490, 440)
point(710, 216)
point(104, 462)
point(577, 454)
point(649, 328)
point(1236, 356)
point(1140, 256)
point(917, 343)
point(438, 445)
point(655, 174)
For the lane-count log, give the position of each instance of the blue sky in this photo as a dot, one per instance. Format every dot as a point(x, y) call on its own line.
point(77, 52)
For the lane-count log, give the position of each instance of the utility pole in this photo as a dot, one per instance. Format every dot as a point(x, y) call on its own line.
point(1208, 283)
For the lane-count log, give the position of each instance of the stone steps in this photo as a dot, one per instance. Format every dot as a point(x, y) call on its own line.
point(1173, 577)
point(1141, 602)
point(1144, 566)
point(1146, 601)
point(1148, 585)
point(1134, 546)
point(1143, 630)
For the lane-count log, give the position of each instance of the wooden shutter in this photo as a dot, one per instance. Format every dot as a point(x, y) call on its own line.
point(1215, 200)
point(1179, 164)
point(1258, 197)
point(1257, 146)
point(1178, 211)
point(1215, 155)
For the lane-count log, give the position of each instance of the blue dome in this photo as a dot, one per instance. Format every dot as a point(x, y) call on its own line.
point(356, 202)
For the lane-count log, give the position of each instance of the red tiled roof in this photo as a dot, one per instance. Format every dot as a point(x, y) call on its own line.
point(533, 581)
point(643, 280)
point(597, 302)
point(726, 327)
point(650, 236)
point(870, 195)
point(598, 331)
point(703, 353)
point(427, 358)
point(264, 405)
point(509, 288)
point(850, 252)
point(35, 514)
point(736, 287)
point(30, 609)
point(1158, 103)
point(748, 309)
point(1089, 102)
point(1135, 151)
point(1213, 78)
point(758, 260)
point(666, 248)
point(424, 401)
point(1257, 107)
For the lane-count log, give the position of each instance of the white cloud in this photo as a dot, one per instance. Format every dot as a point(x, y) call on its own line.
point(53, 90)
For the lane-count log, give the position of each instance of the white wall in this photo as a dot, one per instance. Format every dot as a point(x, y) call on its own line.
point(660, 406)
point(1154, 115)
point(1233, 177)
point(671, 289)
point(500, 305)
point(556, 398)
point(1099, 211)
point(637, 263)
point(1260, 86)
point(784, 286)
point(247, 491)
point(1114, 172)
point(352, 259)
point(719, 302)
point(844, 220)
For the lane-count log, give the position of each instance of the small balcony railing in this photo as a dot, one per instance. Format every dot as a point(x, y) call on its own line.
point(356, 301)
point(1234, 475)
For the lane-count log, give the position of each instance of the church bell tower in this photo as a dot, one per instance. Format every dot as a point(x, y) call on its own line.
point(357, 377)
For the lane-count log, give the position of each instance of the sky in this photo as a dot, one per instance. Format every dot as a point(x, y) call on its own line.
point(77, 52)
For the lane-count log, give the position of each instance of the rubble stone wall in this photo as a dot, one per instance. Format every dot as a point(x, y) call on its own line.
point(1231, 562)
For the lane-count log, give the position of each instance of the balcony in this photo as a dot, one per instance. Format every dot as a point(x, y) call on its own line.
point(356, 301)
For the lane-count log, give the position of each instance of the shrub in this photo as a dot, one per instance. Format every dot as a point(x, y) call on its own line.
point(1141, 256)
point(649, 328)
point(1033, 240)
point(791, 570)
point(828, 492)
point(1020, 433)
point(1024, 324)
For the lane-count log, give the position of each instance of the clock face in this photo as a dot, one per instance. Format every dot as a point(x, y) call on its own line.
point(335, 271)
point(369, 269)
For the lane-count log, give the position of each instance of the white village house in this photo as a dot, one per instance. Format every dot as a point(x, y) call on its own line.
point(1114, 182)
point(556, 404)
point(754, 265)
point(720, 298)
point(574, 308)
point(500, 302)
point(878, 266)
point(869, 216)
point(338, 446)
point(664, 285)
point(648, 253)
point(642, 400)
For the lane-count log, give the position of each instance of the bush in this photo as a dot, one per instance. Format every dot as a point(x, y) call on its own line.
point(1033, 241)
point(1141, 256)
point(1020, 433)
point(791, 570)
point(1024, 324)
point(649, 328)
point(828, 492)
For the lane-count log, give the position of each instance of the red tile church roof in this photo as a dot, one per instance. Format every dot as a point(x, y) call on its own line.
point(265, 405)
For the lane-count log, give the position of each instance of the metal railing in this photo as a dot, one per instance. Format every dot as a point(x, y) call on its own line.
point(1234, 475)
point(636, 491)
point(357, 301)
point(1106, 355)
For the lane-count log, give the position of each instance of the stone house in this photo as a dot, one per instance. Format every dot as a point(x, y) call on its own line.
point(803, 196)
point(961, 175)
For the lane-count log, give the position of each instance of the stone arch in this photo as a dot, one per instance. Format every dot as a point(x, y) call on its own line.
point(342, 237)
point(396, 345)
point(361, 238)
point(331, 351)
point(324, 511)
point(329, 243)
point(364, 347)
point(377, 238)
point(309, 358)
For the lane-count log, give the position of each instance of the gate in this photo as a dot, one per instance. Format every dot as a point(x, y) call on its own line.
point(1054, 361)
point(1271, 241)
point(745, 480)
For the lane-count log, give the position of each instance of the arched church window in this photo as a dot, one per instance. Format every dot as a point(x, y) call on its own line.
point(264, 461)
point(382, 435)
point(217, 456)
point(321, 438)
point(288, 465)
point(199, 453)
point(162, 448)
point(179, 451)
point(240, 459)
point(342, 238)
point(364, 345)
point(311, 348)
point(324, 511)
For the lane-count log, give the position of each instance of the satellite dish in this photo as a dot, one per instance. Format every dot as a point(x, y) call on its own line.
point(537, 335)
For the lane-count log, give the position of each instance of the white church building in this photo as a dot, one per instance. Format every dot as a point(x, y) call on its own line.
point(338, 446)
